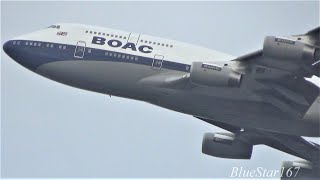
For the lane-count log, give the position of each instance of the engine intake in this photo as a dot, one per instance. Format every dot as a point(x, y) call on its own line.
point(226, 145)
point(213, 75)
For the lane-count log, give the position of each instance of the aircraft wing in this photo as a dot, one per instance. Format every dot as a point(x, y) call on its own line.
point(277, 75)
point(238, 144)
point(277, 72)
point(297, 54)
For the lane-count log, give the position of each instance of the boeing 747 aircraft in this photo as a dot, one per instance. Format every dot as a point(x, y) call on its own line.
point(260, 98)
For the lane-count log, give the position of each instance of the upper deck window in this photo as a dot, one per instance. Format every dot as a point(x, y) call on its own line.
point(106, 34)
point(156, 43)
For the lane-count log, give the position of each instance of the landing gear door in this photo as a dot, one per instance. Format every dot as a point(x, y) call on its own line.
point(80, 49)
point(157, 62)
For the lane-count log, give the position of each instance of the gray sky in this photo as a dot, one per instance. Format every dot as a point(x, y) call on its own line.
point(52, 130)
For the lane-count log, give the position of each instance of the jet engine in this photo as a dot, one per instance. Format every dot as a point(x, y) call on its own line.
point(283, 49)
point(299, 170)
point(214, 75)
point(226, 145)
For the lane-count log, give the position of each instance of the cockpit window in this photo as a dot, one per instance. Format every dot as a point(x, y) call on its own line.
point(54, 26)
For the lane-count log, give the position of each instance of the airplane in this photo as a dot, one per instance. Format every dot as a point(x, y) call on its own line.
point(263, 97)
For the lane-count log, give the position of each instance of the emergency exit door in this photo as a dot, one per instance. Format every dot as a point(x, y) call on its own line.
point(134, 38)
point(157, 62)
point(80, 49)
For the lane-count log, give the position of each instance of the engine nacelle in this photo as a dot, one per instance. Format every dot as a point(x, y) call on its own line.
point(226, 145)
point(299, 170)
point(206, 74)
point(289, 50)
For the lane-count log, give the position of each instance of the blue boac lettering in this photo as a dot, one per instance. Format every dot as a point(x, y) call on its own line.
point(98, 40)
point(114, 43)
point(145, 49)
point(131, 46)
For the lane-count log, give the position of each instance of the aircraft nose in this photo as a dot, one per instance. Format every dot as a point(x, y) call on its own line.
point(16, 50)
point(6, 48)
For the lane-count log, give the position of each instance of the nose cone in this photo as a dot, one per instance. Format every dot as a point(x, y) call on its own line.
point(16, 50)
point(7, 49)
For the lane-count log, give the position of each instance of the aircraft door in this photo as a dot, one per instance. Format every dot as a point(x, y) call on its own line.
point(157, 61)
point(134, 38)
point(80, 49)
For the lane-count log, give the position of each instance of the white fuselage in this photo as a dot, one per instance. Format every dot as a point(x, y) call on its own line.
point(138, 66)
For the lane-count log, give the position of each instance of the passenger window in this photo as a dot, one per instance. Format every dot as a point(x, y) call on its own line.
point(99, 33)
point(64, 47)
point(51, 45)
point(106, 53)
point(30, 43)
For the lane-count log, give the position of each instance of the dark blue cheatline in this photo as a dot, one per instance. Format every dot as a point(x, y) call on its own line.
point(32, 54)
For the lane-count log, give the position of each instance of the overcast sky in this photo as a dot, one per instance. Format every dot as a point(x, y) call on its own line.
point(53, 130)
